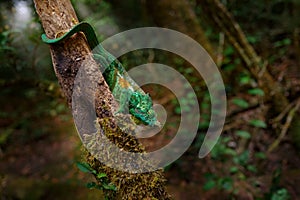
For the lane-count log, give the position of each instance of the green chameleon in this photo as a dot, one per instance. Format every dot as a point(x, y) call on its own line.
point(129, 95)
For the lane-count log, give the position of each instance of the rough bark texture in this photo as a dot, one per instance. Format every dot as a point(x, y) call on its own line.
point(67, 58)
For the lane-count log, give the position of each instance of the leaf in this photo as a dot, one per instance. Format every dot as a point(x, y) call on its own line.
point(245, 79)
point(243, 134)
point(234, 169)
point(229, 67)
point(281, 194)
point(283, 42)
point(109, 187)
point(85, 167)
point(225, 183)
point(240, 102)
point(101, 175)
point(251, 168)
point(242, 159)
point(230, 152)
point(258, 123)
point(228, 51)
point(177, 110)
point(5, 135)
point(91, 185)
point(256, 91)
point(209, 185)
point(252, 39)
point(287, 41)
point(260, 155)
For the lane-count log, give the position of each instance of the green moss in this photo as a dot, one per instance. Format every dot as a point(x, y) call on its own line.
point(129, 186)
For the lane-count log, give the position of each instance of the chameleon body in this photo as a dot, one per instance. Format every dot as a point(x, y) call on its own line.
point(129, 95)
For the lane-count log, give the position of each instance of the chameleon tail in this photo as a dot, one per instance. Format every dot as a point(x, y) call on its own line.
point(84, 27)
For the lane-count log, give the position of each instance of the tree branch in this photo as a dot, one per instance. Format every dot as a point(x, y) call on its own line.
point(68, 57)
point(285, 127)
point(255, 65)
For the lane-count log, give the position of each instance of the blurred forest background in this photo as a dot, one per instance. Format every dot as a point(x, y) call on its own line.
point(256, 45)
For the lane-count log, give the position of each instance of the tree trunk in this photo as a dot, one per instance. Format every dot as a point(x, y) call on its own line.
point(67, 58)
point(180, 16)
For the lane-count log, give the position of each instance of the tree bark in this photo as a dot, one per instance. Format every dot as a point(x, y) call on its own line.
point(68, 57)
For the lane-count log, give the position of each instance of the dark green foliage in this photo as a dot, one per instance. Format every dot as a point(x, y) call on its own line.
point(256, 91)
point(101, 177)
point(240, 102)
point(276, 192)
point(212, 181)
point(258, 123)
point(85, 167)
point(243, 134)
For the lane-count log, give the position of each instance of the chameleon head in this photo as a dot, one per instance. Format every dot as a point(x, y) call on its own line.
point(141, 107)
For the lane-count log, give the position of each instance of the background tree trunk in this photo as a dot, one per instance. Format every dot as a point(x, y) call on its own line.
point(180, 16)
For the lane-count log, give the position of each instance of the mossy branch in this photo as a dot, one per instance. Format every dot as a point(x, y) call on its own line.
point(67, 58)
